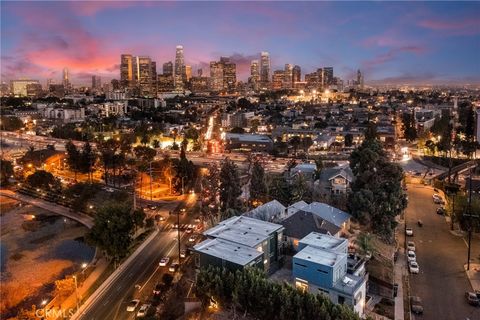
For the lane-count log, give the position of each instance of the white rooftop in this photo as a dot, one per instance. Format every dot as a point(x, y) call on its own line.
point(225, 250)
point(248, 137)
point(319, 256)
point(323, 241)
point(243, 230)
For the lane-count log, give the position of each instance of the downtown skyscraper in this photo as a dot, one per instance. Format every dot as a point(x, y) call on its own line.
point(126, 70)
point(265, 70)
point(179, 68)
point(254, 79)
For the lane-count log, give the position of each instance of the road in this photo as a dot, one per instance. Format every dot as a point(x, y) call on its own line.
point(144, 271)
point(441, 256)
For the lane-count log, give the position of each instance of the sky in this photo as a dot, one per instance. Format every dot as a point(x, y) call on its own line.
point(390, 42)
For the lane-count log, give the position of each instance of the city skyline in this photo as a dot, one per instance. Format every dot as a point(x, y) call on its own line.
point(392, 43)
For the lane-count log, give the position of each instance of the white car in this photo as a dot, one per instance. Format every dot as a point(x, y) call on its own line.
point(142, 312)
point(132, 305)
point(411, 256)
point(192, 238)
point(413, 267)
point(164, 261)
point(411, 246)
point(409, 232)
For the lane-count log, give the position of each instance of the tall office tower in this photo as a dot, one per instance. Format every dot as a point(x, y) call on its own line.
point(328, 75)
point(168, 68)
point(254, 74)
point(359, 79)
point(312, 80)
point(288, 77)
point(229, 74)
point(187, 73)
point(216, 76)
point(296, 75)
point(20, 88)
point(277, 79)
point(126, 70)
point(179, 68)
point(264, 70)
point(154, 78)
point(320, 78)
point(66, 79)
point(96, 82)
point(49, 83)
point(145, 71)
point(200, 72)
point(165, 83)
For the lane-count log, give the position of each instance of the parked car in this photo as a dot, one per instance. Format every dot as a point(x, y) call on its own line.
point(413, 267)
point(158, 289)
point(142, 312)
point(164, 261)
point(472, 298)
point(411, 256)
point(409, 232)
point(411, 246)
point(132, 305)
point(192, 238)
point(183, 253)
point(173, 267)
point(416, 305)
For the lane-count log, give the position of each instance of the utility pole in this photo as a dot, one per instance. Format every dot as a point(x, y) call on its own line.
point(470, 216)
point(151, 181)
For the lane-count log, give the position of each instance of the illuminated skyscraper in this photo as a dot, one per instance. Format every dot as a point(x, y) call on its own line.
point(126, 70)
point(146, 76)
point(66, 79)
point(187, 74)
point(288, 77)
point(359, 79)
point(216, 76)
point(296, 75)
point(179, 68)
point(278, 79)
point(229, 74)
point(96, 82)
point(327, 76)
point(254, 74)
point(265, 69)
point(168, 68)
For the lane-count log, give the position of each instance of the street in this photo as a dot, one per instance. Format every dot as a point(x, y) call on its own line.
point(144, 272)
point(442, 281)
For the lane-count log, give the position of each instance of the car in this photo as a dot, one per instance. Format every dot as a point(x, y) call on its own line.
point(189, 229)
point(183, 210)
point(132, 305)
point(142, 312)
point(416, 305)
point(472, 298)
point(411, 256)
point(183, 253)
point(411, 246)
point(158, 289)
point(413, 267)
point(164, 262)
point(441, 211)
point(109, 189)
point(192, 238)
point(159, 217)
point(173, 267)
point(153, 207)
point(409, 232)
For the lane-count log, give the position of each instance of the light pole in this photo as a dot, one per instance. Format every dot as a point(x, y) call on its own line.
point(76, 290)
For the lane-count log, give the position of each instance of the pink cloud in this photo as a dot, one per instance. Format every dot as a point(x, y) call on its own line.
point(391, 54)
point(468, 26)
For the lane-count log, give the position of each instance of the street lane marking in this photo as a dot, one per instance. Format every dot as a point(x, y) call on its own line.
point(158, 267)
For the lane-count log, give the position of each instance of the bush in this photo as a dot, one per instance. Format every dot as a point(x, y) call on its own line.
point(167, 279)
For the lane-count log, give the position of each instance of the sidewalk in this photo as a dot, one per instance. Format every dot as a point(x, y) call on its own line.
point(473, 275)
point(399, 272)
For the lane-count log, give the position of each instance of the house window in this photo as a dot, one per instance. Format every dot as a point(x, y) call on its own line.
point(341, 300)
point(301, 284)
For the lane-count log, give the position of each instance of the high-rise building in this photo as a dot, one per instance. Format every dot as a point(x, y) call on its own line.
point(199, 84)
point(288, 77)
point(312, 80)
point(199, 72)
point(229, 74)
point(66, 79)
point(187, 74)
point(19, 87)
point(277, 79)
point(265, 70)
point(168, 68)
point(254, 74)
point(146, 76)
point(359, 79)
point(327, 76)
point(179, 68)
point(165, 83)
point(126, 70)
point(216, 76)
point(296, 75)
point(96, 82)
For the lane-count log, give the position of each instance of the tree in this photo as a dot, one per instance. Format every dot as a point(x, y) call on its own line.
point(210, 194)
point(364, 242)
point(318, 168)
point(10, 123)
point(112, 230)
point(230, 188)
point(237, 130)
point(307, 142)
point(258, 185)
point(377, 196)
point(44, 180)
point(138, 217)
point(300, 189)
point(348, 140)
point(295, 143)
point(279, 189)
point(73, 157)
point(408, 126)
point(64, 288)
point(87, 159)
point(6, 171)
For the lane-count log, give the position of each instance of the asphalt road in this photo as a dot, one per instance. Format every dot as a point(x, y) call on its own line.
point(442, 281)
point(143, 271)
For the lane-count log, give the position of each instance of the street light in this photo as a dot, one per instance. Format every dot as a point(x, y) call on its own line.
point(44, 302)
point(76, 290)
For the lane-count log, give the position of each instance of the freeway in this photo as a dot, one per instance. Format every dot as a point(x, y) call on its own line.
point(442, 281)
point(136, 280)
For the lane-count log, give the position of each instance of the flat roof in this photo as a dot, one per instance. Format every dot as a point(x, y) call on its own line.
point(243, 230)
point(225, 250)
point(248, 137)
point(323, 241)
point(319, 256)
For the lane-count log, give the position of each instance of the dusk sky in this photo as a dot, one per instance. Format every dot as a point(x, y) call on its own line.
point(391, 42)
